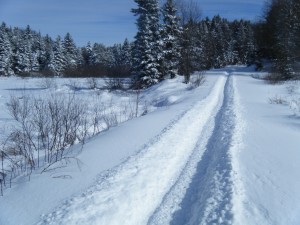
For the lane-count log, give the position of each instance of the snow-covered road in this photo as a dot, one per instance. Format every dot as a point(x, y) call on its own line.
point(183, 176)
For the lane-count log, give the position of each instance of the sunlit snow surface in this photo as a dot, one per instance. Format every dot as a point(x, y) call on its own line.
point(218, 154)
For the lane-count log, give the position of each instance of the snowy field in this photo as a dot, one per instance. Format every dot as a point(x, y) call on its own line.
point(226, 152)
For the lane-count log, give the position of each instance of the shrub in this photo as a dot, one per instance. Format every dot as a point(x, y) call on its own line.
point(198, 80)
point(92, 83)
point(278, 100)
point(47, 83)
point(295, 106)
point(114, 84)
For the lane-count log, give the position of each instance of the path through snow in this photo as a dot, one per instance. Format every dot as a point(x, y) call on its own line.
point(207, 175)
point(135, 189)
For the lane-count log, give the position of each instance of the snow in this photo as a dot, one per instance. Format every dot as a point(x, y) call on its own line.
point(137, 181)
point(224, 153)
point(270, 158)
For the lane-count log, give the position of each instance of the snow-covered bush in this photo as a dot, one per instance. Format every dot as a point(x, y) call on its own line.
point(45, 127)
point(73, 84)
point(278, 100)
point(49, 125)
point(197, 80)
point(92, 83)
point(292, 87)
point(42, 131)
point(295, 106)
point(47, 83)
point(114, 84)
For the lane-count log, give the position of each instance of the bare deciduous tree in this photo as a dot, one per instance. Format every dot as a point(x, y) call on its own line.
point(188, 10)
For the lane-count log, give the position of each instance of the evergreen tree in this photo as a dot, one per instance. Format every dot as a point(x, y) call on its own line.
point(5, 53)
point(228, 44)
point(117, 55)
point(296, 5)
point(109, 59)
point(187, 42)
point(218, 43)
point(40, 52)
point(99, 52)
point(59, 61)
point(201, 44)
point(251, 49)
point(170, 35)
point(126, 55)
point(30, 54)
point(146, 51)
point(48, 55)
point(241, 43)
point(281, 32)
point(87, 54)
point(207, 40)
point(70, 51)
point(23, 51)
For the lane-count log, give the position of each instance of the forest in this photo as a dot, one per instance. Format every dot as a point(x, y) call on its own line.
point(169, 41)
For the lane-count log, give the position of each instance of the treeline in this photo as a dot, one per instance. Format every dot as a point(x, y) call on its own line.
point(213, 43)
point(181, 43)
point(26, 52)
point(278, 38)
point(170, 40)
point(218, 42)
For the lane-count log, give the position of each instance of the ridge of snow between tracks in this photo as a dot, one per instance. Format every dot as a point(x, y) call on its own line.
point(203, 192)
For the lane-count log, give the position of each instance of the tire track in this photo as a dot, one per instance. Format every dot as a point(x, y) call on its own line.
point(208, 199)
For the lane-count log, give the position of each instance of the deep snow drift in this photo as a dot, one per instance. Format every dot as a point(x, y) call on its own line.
point(224, 153)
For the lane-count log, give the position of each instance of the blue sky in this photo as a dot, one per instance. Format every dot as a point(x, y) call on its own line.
point(103, 21)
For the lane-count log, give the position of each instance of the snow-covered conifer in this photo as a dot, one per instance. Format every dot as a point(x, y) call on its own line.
point(87, 54)
point(146, 51)
point(126, 55)
point(5, 53)
point(58, 62)
point(70, 51)
point(170, 34)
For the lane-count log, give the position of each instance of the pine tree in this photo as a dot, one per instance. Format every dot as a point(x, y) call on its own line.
point(170, 35)
point(58, 61)
point(117, 55)
point(109, 59)
point(285, 40)
point(296, 5)
point(22, 50)
point(70, 51)
point(5, 53)
point(146, 51)
point(187, 41)
point(250, 43)
point(281, 28)
point(126, 55)
point(40, 52)
point(218, 42)
point(228, 43)
point(87, 54)
point(200, 46)
point(30, 56)
point(241, 42)
point(48, 57)
point(99, 52)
